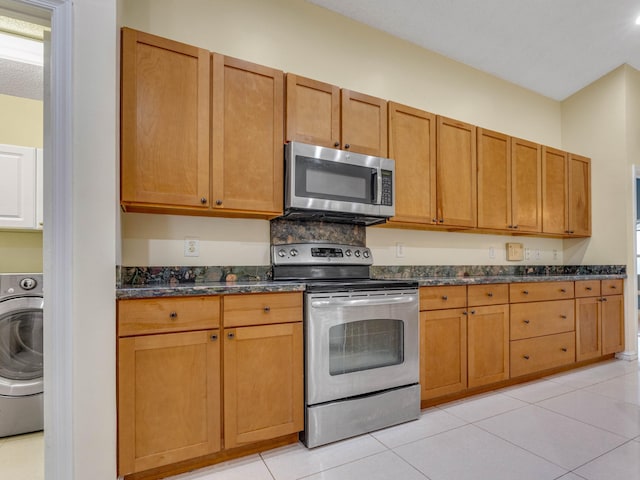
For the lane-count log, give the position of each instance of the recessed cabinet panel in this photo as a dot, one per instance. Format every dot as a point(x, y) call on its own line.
point(494, 180)
point(412, 144)
point(165, 121)
point(456, 173)
point(313, 112)
point(247, 133)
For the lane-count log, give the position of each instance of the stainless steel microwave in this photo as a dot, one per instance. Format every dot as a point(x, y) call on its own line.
point(337, 185)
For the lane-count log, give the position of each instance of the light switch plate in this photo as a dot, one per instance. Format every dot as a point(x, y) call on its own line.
point(515, 252)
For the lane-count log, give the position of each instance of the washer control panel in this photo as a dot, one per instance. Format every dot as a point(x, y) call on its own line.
point(320, 254)
point(12, 284)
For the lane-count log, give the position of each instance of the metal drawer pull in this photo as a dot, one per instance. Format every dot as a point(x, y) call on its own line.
point(563, 290)
point(614, 287)
point(490, 294)
point(214, 337)
point(267, 309)
point(526, 357)
point(526, 321)
point(444, 297)
point(173, 315)
point(231, 334)
point(564, 317)
point(564, 349)
point(604, 299)
point(473, 312)
point(589, 289)
point(526, 292)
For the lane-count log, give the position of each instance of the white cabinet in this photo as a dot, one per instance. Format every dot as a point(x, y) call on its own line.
point(20, 187)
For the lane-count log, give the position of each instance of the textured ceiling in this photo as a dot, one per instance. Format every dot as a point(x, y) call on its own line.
point(553, 47)
point(20, 79)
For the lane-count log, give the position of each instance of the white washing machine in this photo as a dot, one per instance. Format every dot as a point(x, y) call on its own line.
point(21, 340)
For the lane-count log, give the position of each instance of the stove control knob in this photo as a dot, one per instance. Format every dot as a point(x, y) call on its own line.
point(366, 254)
point(281, 252)
point(293, 252)
point(357, 253)
point(348, 253)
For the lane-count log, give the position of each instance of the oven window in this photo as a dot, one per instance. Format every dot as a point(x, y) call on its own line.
point(365, 345)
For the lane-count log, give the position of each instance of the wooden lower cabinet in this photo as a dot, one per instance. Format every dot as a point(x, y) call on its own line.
point(588, 328)
point(541, 353)
point(263, 383)
point(168, 399)
point(443, 352)
point(612, 324)
point(488, 344)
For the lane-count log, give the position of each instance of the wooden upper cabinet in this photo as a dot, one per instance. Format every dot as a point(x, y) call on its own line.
point(456, 173)
point(364, 123)
point(313, 112)
point(579, 204)
point(412, 144)
point(554, 191)
point(494, 180)
point(246, 137)
point(164, 122)
point(526, 186)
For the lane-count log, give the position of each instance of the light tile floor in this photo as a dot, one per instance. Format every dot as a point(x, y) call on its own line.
point(580, 425)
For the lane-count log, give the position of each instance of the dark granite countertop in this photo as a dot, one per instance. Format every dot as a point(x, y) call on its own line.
point(265, 286)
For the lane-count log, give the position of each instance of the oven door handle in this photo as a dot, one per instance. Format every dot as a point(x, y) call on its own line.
point(363, 302)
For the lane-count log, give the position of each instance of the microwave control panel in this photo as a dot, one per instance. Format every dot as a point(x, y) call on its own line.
point(387, 188)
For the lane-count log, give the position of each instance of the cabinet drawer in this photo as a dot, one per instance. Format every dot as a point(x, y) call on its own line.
point(493, 294)
point(437, 298)
point(587, 288)
point(262, 309)
point(541, 353)
point(536, 292)
point(163, 315)
point(612, 287)
point(541, 318)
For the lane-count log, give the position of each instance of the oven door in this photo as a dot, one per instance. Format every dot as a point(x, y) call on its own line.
point(360, 342)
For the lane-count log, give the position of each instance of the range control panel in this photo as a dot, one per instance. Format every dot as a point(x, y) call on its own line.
point(320, 254)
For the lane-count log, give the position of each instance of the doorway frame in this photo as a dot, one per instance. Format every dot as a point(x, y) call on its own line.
point(57, 233)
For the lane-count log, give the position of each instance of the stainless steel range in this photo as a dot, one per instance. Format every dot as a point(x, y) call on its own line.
point(361, 341)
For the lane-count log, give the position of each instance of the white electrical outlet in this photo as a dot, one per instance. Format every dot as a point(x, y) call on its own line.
point(538, 254)
point(555, 254)
point(527, 254)
point(191, 247)
point(492, 252)
point(399, 250)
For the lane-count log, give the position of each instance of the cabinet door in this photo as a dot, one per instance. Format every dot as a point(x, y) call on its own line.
point(488, 344)
point(443, 352)
point(526, 186)
point(612, 324)
point(494, 180)
point(456, 173)
point(554, 191)
point(247, 134)
point(165, 122)
point(17, 187)
point(364, 123)
point(412, 144)
point(313, 112)
point(168, 399)
point(579, 196)
point(588, 329)
point(39, 188)
point(263, 383)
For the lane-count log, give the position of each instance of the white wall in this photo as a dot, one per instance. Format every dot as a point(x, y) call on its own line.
point(302, 38)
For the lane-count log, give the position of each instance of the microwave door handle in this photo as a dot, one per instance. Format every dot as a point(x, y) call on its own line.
point(378, 181)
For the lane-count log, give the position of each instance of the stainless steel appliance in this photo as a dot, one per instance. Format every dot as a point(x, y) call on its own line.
point(21, 343)
point(361, 341)
point(337, 185)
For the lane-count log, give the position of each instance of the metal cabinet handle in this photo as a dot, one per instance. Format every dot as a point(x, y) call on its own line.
point(564, 317)
point(588, 289)
point(563, 290)
point(218, 202)
point(203, 200)
point(473, 312)
point(564, 349)
point(214, 337)
point(231, 335)
point(509, 226)
point(444, 297)
point(525, 292)
point(347, 145)
point(336, 144)
point(434, 220)
point(614, 287)
point(441, 220)
point(526, 357)
point(527, 321)
point(490, 294)
point(515, 226)
point(465, 313)
point(173, 315)
point(267, 309)
point(604, 299)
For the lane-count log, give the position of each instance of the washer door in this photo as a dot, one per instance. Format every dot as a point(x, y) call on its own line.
point(21, 346)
